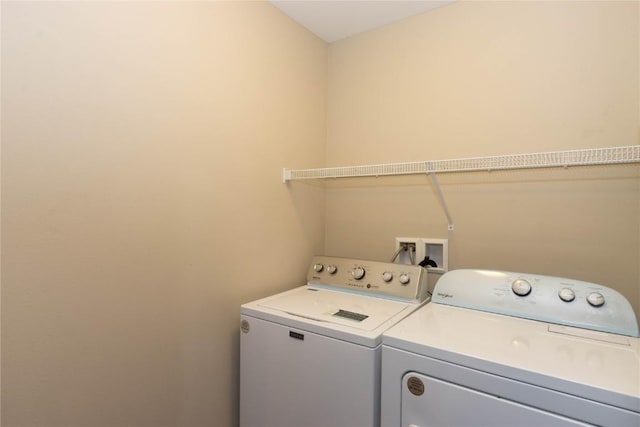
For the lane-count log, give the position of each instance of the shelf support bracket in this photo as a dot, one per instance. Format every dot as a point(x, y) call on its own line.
point(443, 202)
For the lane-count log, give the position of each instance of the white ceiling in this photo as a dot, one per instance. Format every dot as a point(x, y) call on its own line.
point(335, 20)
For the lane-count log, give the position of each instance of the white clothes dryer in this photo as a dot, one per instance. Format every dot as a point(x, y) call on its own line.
point(310, 357)
point(510, 349)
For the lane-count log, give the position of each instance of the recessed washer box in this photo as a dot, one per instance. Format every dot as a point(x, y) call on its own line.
point(436, 249)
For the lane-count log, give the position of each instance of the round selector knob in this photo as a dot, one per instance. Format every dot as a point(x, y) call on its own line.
point(318, 267)
point(567, 294)
point(358, 273)
point(404, 279)
point(387, 276)
point(521, 287)
point(596, 299)
point(331, 269)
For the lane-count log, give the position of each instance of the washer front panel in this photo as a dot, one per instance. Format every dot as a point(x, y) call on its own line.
point(290, 377)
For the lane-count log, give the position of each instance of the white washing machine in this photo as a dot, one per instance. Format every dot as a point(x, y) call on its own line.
point(509, 349)
point(311, 356)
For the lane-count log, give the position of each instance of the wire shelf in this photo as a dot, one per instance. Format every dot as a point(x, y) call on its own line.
point(550, 159)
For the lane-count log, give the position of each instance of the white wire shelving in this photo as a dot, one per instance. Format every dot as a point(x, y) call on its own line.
point(550, 159)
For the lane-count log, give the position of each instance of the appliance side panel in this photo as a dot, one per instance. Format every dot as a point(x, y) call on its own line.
point(393, 369)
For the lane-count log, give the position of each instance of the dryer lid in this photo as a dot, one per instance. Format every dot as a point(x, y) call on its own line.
point(595, 365)
point(339, 308)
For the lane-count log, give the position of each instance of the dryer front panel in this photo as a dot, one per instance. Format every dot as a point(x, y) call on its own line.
point(430, 402)
point(467, 395)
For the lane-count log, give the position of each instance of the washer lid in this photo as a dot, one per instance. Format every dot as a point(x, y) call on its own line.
point(355, 311)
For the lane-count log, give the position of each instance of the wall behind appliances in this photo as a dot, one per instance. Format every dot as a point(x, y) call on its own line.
point(142, 150)
point(491, 78)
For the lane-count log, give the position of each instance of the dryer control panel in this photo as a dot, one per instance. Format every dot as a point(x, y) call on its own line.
point(545, 298)
point(402, 281)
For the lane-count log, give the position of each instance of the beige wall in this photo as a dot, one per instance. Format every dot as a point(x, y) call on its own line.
point(491, 78)
point(142, 152)
point(142, 147)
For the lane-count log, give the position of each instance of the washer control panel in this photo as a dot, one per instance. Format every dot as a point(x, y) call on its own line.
point(545, 298)
point(408, 282)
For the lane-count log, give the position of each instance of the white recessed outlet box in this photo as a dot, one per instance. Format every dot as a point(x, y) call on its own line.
point(436, 250)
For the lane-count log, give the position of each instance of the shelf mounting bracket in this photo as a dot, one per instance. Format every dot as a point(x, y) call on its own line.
point(443, 202)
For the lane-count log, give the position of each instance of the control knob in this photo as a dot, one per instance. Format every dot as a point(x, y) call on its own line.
point(567, 294)
point(404, 279)
point(521, 287)
point(387, 276)
point(358, 273)
point(318, 268)
point(596, 299)
point(331, 269)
